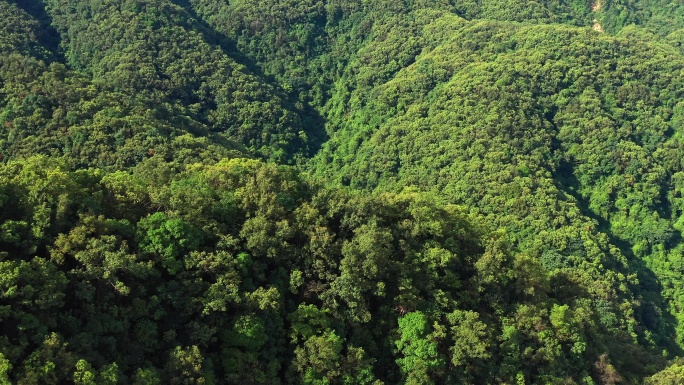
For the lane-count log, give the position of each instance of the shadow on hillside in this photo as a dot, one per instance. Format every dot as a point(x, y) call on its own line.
point(312, 121)
point(653, 309)
point(49, 37)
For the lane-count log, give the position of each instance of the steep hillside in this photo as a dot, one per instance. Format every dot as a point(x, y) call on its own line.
point(149, 73)
point(484, 192)
point(567, 138)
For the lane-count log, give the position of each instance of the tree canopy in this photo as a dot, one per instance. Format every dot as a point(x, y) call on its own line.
point(341, 192)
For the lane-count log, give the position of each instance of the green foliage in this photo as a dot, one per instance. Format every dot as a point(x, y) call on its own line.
point(86, 375)
point(319, 359)
point(146, 377)
point(165, 89)
point(673, 374)
point(133, 284)
point(497, 199)
point(168, 239)
point(420, 359)
point(472, 347)
point(5, 367)
point(158, 293)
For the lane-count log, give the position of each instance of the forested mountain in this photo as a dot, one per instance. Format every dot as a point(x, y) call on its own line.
point(341, 192)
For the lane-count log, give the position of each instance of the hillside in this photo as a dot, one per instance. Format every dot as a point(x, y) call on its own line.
point(341, 192)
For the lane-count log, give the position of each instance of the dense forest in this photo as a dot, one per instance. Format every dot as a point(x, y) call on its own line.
point(341, 192)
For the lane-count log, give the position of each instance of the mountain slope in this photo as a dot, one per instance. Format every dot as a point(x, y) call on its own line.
point(488, 192)
point(159, 68)
point(567, 138)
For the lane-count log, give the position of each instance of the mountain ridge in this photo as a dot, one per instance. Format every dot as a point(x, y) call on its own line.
point(477, 192)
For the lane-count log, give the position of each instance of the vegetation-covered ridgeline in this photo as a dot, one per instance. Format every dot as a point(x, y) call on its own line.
point(341, 192)
point(242, 272)
point(131, 77)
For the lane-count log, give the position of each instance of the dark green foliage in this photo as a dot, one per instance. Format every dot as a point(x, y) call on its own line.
point(326, 285)
point(145, 74)
point(555, 133)
point(487, 192)
point(167, 239)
